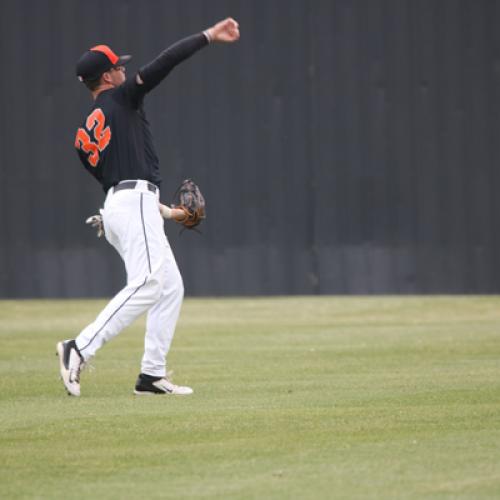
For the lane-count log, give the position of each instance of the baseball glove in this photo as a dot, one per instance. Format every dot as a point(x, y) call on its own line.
point(189, 199)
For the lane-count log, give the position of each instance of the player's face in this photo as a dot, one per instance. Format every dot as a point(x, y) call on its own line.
point(117, 75)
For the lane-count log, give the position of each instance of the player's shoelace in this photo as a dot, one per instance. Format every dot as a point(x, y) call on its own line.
point(74, 373)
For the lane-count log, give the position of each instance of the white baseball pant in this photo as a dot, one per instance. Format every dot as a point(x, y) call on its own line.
point(134, 226)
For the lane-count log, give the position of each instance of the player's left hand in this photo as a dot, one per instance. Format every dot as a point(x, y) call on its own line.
point(176, 214)
point(227, 31)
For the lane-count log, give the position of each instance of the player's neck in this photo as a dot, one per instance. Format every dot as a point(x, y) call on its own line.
point(101, 88)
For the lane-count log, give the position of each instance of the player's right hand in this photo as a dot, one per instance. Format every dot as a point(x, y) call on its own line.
point(227, 31)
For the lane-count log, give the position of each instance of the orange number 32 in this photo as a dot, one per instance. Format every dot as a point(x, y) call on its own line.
point(102, 136)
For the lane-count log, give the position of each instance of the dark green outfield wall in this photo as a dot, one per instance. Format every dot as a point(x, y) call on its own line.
point(343, 146)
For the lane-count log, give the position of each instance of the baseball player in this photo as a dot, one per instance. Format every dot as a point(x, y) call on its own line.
point(115, 145)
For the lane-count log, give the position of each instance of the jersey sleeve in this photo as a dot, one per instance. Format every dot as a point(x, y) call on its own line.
point(131, 92)
point(155, 71)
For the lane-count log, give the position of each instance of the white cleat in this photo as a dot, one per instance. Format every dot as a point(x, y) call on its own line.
point(70, 366)
point(147, 385)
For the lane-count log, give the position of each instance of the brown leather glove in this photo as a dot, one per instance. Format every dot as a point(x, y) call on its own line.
point(190, 200)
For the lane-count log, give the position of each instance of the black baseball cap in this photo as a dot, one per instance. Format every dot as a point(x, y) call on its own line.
point(97, 60)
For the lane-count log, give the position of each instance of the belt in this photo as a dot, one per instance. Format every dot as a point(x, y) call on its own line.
point(132, 185)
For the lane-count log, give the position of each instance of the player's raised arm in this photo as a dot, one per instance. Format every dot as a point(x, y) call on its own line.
point(150, 75)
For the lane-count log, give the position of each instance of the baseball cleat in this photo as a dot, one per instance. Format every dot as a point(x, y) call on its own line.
point(146, 385)
point(70, 366)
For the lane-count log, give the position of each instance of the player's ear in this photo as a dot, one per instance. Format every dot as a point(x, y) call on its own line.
point(106, 77)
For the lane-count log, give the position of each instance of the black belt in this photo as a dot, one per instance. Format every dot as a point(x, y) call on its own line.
point(132, 185)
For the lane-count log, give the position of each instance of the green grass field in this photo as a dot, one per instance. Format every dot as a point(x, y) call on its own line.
point(303, 397)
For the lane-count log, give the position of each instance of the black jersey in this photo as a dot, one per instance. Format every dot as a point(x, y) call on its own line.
point(114, 142)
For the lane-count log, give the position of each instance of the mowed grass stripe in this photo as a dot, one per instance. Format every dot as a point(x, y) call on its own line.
point(295, 397)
